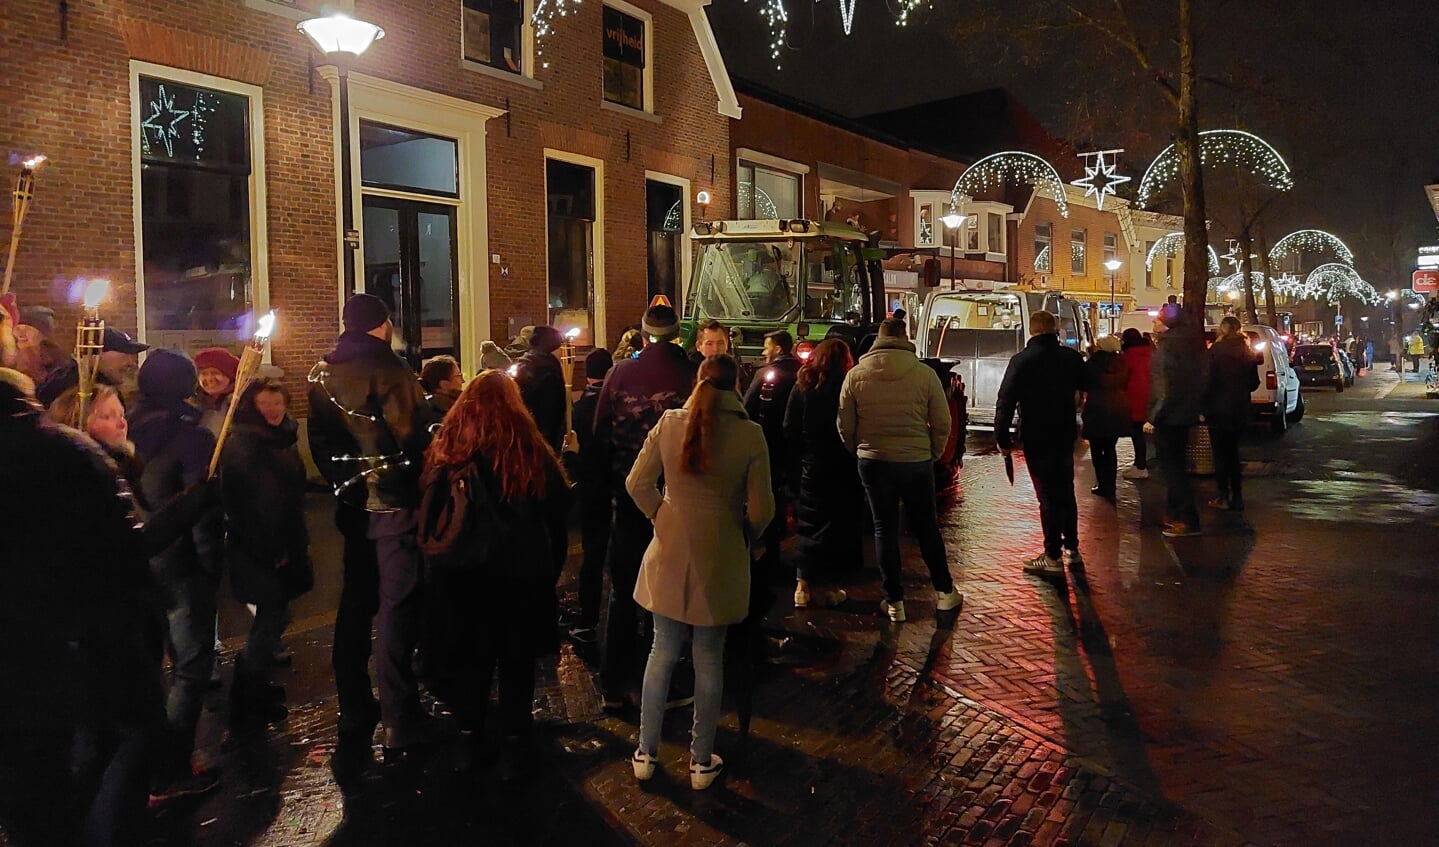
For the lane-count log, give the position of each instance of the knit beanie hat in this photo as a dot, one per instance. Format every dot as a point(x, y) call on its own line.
point(661, 322)
point(598, 363)
point(891, 328)
point(364, 312)
point(167, 375)
point(1109, 344)
point(220, 359)
point(546, 339)
point(492, 357)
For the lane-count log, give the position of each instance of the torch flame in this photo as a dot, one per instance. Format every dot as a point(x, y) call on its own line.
point(34, 162)
point(95, 292)
point(265, 326)
point(572, 334)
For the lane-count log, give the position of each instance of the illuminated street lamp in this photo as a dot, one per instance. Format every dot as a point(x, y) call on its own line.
point(953, 221)
point(1112, 265)
point(342, 39)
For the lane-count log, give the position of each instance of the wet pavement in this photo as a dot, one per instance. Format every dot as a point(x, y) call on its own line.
point(1269, 682)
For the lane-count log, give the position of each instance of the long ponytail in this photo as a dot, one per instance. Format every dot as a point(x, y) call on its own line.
point(716, 374)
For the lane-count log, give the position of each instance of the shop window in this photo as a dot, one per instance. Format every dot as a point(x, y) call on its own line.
point(971, 228)
point(765, 194)
point(625, 48)
point(196, 195)
point(1043, 238)
point(924, 231)
point(493, 33)
point(1076, 251)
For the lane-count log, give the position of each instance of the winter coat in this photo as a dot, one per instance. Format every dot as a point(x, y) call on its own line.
point(593, 476)
point(542, 386)
point(1178, 376)
point(1106, 400)
point(1233, 376)
point(892, 406)
point(829, 498)
point(443, 401)
point(267, 545)
point(1041, 383)
point(1139, 359)
point(366, 403)
point(635, 394)
point(697, 568)
point(765, 402)
point(212, 411)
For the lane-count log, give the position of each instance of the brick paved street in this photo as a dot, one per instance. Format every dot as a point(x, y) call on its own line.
point(1271, 682)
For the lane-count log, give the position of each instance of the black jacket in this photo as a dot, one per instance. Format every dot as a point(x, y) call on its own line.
point(174, 449)
point(369, 424)
point(810, 425)
point(635, 394)
point(766, 402)
point(1106, 400)
point(593, 470)
point(1178, 375)
point(263, 487)
point(1040, 382)
point(542, 386)
point(1233, 376)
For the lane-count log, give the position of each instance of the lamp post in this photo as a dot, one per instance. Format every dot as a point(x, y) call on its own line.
point(343, 39)
point(953, 221)
point(1113, 266)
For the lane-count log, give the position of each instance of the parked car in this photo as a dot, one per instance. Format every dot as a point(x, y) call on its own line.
point(1320, 364)
point(1278, 399)
point(1347, 365)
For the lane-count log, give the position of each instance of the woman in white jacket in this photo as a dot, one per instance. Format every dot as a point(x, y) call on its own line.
point(695, 574)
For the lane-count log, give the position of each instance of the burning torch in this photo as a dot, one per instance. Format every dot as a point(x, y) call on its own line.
point(24, 193)
point(244, 374)
point(89, 344)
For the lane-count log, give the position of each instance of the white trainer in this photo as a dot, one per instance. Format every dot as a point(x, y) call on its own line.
point(703, 776)
point(895, 610)
point(945, 601)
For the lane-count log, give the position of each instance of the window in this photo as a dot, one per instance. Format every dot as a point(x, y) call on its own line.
point(196, 148)
point(1076, 251)
point(1148, 265)
point(406, 160)
point(492, 33)
point(766, 194)
point(995, 233)
point(1043, 238)
point(1111, 248)
point(572, 235)
point(665, 247)
point(971, 228)
point(624, 59)
point(924, 230)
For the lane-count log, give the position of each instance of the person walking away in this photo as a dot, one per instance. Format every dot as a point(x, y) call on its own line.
point(369, 426)
point(1138, 354)
point(1396, 351)
point(894, 417)
point(217, 367)
point(442, 380)
point(827, 506)
point(174, 449)
point(1106, 411)
point(695, 576)
point(542, 385)
point(1233, 376)
point(634, 396)
point(711, 340)
point(267, 545)
point(596, 498)
point(1042, 383)
point(765, 403)
point(504, 603)
point(1177, 380)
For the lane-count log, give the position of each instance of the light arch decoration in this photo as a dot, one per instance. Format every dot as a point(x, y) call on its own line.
point(1170, 245)
point(1219, 146)
point(997, 169)
point(1335, 281)
point(1311, 241)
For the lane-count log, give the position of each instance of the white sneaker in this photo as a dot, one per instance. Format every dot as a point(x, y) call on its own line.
point(644, 765)
point(1132, 472)
point(944, 602)
point(703, 776)
point(895, 610)
point(1042, 565)
point(801, 597)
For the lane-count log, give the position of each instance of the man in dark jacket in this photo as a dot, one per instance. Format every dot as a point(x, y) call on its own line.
point(1233, 376)
point(119, 361)
point(175, 448)
point(765, 403)
point(369, 427)
point(1042, 382)
point(637, 392)
point(1177, 384)
point(596, 509)
point(542, 385)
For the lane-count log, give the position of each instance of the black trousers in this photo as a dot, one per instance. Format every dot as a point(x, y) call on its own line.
point(1173, 442)
point(630, 535)
point(1227, 467)
point(1106, 463)
point(1141, 446)
point(596, 515)
point(359, 601)
point(1052, 472)
point(517, 693)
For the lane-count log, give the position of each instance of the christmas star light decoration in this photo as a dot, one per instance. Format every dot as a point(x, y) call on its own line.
point(1231, 147)
point(998, 169)
point(164, 121)
point(1336, 281)
point(1099, 176)
point(1311, 241)
point(1233, 257)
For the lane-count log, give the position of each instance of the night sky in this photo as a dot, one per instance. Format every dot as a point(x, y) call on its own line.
point(1348, 92)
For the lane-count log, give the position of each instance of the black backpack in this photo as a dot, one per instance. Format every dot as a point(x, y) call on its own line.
point(457, 518)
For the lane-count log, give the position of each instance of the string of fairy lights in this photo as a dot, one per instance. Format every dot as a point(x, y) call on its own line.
point(1311, 241)
point(997, 170)
point(776, 17)
point(1169, 245)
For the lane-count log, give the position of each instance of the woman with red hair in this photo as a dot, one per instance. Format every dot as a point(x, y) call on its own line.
point(504, 607)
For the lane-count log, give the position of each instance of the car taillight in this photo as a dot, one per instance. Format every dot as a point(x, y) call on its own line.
point(1271, 380)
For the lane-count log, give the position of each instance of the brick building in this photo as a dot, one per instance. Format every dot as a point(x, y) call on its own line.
point(500, 179)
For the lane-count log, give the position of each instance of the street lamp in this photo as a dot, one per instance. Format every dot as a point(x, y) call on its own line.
point(953, 221)
point(1113, 266)
point(342, 39)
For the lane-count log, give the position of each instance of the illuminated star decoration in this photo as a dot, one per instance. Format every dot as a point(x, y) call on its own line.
point(1099, 176)
point(1233, 257)
point(164, 121)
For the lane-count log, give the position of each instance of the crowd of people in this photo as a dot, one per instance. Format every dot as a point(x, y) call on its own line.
point(452, 498)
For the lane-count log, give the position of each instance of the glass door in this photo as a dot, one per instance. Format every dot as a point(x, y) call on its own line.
point(665, 214)
point(570, 205)
point(411, 264)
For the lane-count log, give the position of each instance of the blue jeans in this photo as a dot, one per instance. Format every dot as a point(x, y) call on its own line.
point(886, 486)
point(192, 638)
point(668, 646)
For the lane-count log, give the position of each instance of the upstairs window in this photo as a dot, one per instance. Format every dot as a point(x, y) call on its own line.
point(493, 32)
point(1043, 258)
point(1111, 247)
point(625, 49)
point(1076, 251)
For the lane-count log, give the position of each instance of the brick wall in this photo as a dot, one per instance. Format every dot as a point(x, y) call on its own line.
point(1095, 223)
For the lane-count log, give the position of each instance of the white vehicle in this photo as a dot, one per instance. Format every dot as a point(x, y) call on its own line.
point(1277, 399)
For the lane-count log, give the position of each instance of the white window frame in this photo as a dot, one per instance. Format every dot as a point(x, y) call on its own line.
point(938, 201)
point(649, 71)
point(1084, 245)
point(259, 229)
point(774, 165)
point(526, 76)
point(687, 254)
point(601, 332)
point(974, 211)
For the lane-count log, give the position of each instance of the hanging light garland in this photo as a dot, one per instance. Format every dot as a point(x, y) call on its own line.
point(998, 169)
point(1311, 241)
point(1169, 247)
point(776, 17)
point(1243, 150)
point(1336, 281)
point(543, 21)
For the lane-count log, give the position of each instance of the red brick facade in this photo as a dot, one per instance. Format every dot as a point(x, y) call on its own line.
point(1061, 277)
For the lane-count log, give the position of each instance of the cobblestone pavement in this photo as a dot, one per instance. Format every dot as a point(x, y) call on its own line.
point(1270, 682)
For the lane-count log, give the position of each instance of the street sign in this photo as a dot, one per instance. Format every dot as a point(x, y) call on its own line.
point(1426, 281)
point(1339, 320)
